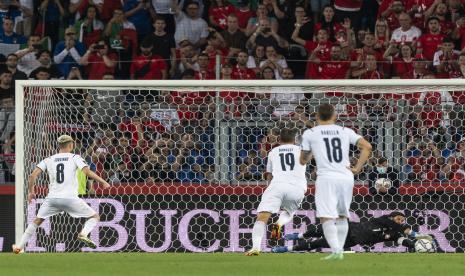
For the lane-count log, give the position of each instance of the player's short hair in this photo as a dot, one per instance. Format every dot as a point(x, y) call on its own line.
point(395, 214)
point(382, 160)
point(64, 141)
point(325, 112)
point(287, 135)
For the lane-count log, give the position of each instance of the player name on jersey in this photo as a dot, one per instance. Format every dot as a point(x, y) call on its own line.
point(330, 132)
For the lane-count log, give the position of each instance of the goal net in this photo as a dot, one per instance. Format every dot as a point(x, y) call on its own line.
point(186, 158)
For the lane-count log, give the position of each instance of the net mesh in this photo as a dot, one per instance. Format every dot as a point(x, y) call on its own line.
point(186, 164)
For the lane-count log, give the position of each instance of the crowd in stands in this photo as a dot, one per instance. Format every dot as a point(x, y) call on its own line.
point(266, 39)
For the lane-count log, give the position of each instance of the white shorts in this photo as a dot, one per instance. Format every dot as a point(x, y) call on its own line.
point(333, 197)
point(75, 207)
point(281, 196)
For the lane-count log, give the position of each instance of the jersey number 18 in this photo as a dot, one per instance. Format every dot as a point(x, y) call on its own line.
point(333, 149)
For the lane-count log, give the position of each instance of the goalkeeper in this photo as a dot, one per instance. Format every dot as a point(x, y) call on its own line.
point(386, 228)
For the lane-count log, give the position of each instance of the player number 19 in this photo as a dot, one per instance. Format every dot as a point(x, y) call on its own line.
point(287, 159)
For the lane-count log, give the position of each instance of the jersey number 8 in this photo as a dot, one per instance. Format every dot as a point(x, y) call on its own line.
point(60, 173)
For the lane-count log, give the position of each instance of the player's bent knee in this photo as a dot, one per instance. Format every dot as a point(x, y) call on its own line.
point(96, 216)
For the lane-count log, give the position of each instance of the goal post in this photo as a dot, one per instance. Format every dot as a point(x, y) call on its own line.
point(203, 148)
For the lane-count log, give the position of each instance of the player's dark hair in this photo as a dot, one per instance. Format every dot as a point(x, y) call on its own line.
point(325, 112)
point(395, 214)
point(382, 160)
point(287, 135)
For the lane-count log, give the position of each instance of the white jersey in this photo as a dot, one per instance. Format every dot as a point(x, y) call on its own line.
point(330, 146)
point(61, 169)
point(284, 164)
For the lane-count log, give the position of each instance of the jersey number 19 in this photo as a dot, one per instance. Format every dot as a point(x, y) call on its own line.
point(287, 159)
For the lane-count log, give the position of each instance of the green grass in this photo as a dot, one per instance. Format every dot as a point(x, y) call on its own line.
point(131, 264)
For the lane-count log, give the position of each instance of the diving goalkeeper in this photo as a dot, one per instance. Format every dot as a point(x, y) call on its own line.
point(386, 228)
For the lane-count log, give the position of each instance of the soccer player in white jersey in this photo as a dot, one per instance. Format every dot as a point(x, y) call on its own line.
point(286, 189)
point(63, 191)
point(329, 144)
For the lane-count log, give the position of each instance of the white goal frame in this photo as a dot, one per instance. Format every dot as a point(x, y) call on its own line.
point(21, 181)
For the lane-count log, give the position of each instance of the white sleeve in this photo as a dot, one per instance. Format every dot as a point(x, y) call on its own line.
point(306, 141)
point(436, 60)
point(61, 56)
point(80, 163)
point(74, 53)
point(353, 137)
point(204, 33)
point(42, 165)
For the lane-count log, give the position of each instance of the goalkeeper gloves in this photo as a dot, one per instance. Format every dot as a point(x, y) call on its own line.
point(419, 236)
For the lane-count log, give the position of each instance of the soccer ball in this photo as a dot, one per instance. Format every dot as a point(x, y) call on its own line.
point(424, 246)
point(383, 183)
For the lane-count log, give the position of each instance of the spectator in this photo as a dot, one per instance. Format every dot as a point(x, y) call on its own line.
point(219, 12)
point(320, 48)
point(45, 59)
point(165, 9)
point(406, 33)
point(369, 70)
point(68, 53)
point(163, 44)
point(458, 71)
point(383, 170)
point(273, 9)
point(382, 35)
point(317, 7)
point(335, 67)
point(8, 10)
point(459, 32)
point(440, 11)
point(74, 74)
point(28, 56)
point(99, 61)
point(234, 38)
point(105, 8)
point(301, 21)
point(41, 73)
point(50, 13)
point(265, 35)
point(402, 62)
point(226, 71)
point(348, 9)
point(268, 73)
point(12, 66)
point(217, 46)
point(358, 56)
point(275, 61)
point(428, 43)
point(116, 28)
point(7, 89)
point(7, 116)
point(187, 56)
point(8, 36)
point(328, 22)
point(444, 58)
point(148, 66)
point(241, 70)
point(419, 71)
point(202, 69)
point(256, 58)
point(191, 27)
point(90, 28)
point(391, 10)
point(261, 20)
point(250, 169)
point(244, 14)
point(140, 13)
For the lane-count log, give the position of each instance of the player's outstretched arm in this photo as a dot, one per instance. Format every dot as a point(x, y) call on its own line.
point(93, 175)
point(365, 151)
point(31, 182)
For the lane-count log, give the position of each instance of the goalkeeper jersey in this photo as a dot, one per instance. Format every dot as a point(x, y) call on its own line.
point(376, 230)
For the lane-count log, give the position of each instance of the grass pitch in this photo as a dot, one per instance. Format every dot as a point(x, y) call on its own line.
point(132, 264)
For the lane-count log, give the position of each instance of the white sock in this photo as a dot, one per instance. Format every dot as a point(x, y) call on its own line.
point(284, 218)
point(290, 248)
point(330, 232)
point(257, 235)
point(30, 230)
point(342, 229)
point(88, 226)
point(301, 235)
